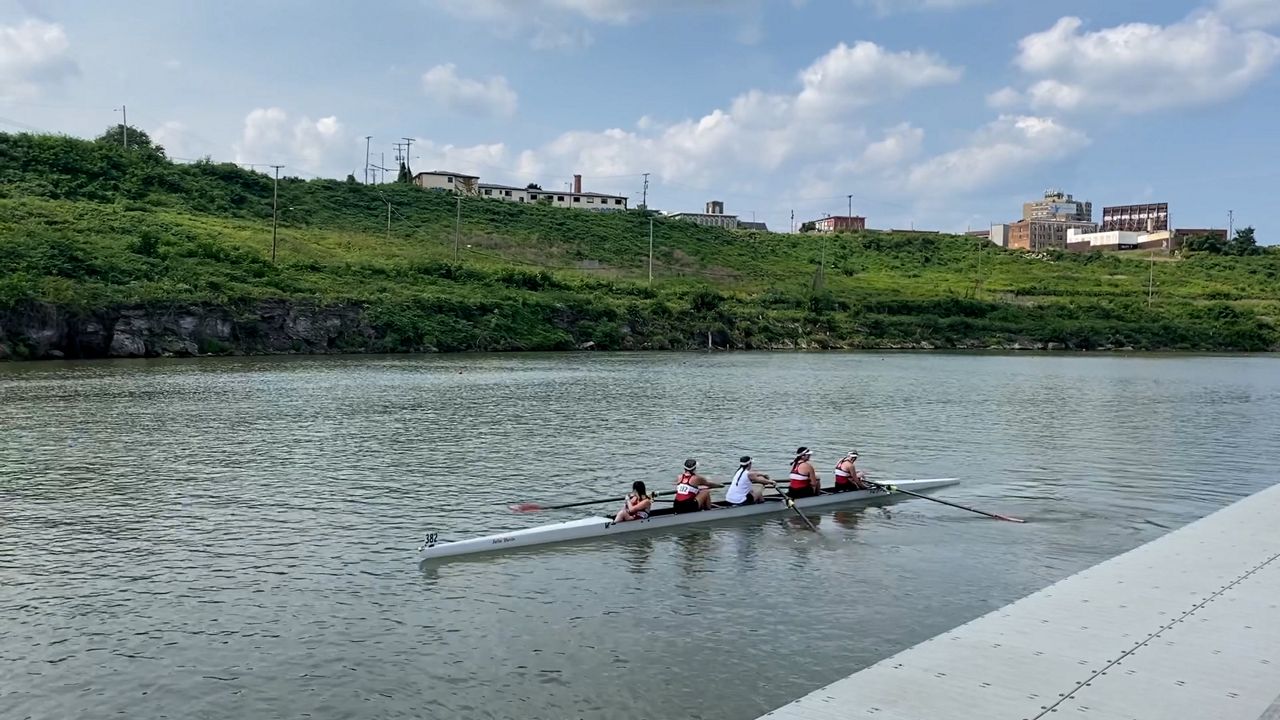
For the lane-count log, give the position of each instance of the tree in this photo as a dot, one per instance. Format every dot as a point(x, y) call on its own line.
point(807, 227)
point(533, 186)
point(1244, 243)
point(138, 139)
point(1211, 243)
point(403, 176)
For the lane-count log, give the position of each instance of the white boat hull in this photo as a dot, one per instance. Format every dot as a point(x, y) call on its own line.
point(600, 526)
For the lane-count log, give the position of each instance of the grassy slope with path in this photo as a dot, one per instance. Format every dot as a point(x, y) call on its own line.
point(90, 229)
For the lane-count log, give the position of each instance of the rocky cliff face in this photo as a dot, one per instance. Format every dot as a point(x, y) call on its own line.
point(46, 331)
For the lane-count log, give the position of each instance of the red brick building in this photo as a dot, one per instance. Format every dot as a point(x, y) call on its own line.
point(840, 223)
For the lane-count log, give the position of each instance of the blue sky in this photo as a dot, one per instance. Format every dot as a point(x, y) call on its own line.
point(942, 114)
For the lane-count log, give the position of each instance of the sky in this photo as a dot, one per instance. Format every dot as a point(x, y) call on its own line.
point(932, 114)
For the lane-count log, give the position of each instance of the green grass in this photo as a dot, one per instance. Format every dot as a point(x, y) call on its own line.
point(90, 227)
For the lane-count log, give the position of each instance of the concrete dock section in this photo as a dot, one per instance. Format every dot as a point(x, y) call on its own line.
point(1186, 626)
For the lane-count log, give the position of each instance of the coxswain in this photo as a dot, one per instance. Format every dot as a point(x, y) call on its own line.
point(693, 492)
point(637, 505)
point(804, 480)
point(747, 486)
point(849, 477)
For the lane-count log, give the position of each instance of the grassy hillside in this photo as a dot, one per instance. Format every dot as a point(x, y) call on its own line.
point(90, 229)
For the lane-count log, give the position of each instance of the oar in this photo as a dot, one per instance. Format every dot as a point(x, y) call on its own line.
point(895, 488)
point(534, 507)
point(792, 504)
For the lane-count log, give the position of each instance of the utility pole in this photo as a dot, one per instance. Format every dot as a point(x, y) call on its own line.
point(793, 221)
point(457, 229)
point(367, 138)
point(408, 153)
point(388, 221)
point(383, 163)
point(650, 249)
point(1231, 223)
point(275, 205)
point(850, 207)
point(644, 202)
point(124, 124)
point(1151, 279)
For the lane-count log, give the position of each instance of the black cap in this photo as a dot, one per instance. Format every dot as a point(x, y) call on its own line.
point(690, 464)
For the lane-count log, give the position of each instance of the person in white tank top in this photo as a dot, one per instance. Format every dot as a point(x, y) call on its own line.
point(743, 488)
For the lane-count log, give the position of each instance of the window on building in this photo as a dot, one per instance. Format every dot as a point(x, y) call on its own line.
point(577, 198)
point(488, 191)
point(508, 193)
point(450, 178)
point(617, 201)
point(591, 200)
point(559, 198)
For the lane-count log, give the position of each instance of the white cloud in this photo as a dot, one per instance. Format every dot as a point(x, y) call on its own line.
point(557, 24)
point(446, 89)
point(760, 131)
point(886, 7)
point(1251, 13)
point(33, 55)
point(171, 136)
point(1004, 98)
point(306, 146)
point(479, 160)
point(900, 144)
point(1140, 67)
point(1007, 147)
point(866, 73)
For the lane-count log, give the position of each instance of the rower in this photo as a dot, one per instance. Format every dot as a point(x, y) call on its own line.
point(743, 488)
point(804, 479)
point(637, 506)
point(693, 492)
point(849, 477)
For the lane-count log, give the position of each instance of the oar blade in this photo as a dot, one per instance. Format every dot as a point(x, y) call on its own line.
point(525, 507)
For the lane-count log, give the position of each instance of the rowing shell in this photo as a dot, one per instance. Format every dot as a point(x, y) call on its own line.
point(603, 526)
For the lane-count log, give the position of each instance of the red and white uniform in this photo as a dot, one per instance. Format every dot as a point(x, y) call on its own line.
point(685, 489)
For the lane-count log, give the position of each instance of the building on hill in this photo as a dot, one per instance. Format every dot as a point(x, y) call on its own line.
point(470, 185)
point(839, 223)
point(713, 217)
point(752, 225)
point(1038, 235)
point(1151, 217)
point(455, 182)
point(1057, 205)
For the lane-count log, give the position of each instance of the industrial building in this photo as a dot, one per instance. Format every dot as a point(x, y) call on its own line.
point(1057, 205)
point(713, 217)
point(1152, 217)
point(840, 223)
point(464, 184)
point(1037, 234)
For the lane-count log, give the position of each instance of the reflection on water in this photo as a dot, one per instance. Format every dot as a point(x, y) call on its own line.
point(238, 534)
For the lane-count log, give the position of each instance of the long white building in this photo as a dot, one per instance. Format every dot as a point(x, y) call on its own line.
point(464, 184)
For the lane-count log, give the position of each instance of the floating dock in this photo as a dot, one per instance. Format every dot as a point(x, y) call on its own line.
point(1185, 627)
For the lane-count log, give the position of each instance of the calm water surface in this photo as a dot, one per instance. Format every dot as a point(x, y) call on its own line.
point(235, 538)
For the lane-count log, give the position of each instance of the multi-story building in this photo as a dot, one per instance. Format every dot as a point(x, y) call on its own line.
point(1040, 234)
point(470, 185)
point(713, 217)
point(1057, 205)
point(1151, 217)
point(840, 223)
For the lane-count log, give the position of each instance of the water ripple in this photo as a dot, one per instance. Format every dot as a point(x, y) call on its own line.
point(238, 534)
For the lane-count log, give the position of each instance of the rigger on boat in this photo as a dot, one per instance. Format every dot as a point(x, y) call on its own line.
point(745, 496)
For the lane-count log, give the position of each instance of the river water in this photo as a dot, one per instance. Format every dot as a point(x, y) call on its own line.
point(234, 538)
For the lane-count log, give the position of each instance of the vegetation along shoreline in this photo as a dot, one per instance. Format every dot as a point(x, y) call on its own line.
point(107, 252)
